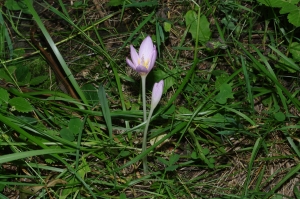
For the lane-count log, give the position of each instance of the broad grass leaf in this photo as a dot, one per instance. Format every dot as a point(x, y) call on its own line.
point(20, 104)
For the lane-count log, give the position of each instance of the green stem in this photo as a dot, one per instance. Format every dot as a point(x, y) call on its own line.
point(144, 146)
point(144, 96)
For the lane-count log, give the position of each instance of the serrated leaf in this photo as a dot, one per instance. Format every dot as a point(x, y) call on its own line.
point(67, 134)
point(20, 104)
point(294, 17)
point(295, 50)
point(288, 8)
point(21, 73)
point(4, 96)
point(38, 80)
point(224, 94)
point(278, 3)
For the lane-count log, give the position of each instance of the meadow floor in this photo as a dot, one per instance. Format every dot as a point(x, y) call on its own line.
point(72, 112)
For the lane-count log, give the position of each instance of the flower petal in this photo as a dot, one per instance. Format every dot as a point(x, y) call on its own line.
point(142, 70)
point(146, 49)
point(129, 62)
point(153, 59)
point(134, 55)
point(157, 93)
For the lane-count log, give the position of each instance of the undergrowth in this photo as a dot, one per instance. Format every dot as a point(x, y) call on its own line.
point(227, 125)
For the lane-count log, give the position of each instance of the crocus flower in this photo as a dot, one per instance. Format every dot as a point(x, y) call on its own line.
point(143, 61)
point(157, 93)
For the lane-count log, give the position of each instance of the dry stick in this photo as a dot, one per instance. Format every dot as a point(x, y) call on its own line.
point(54, 66)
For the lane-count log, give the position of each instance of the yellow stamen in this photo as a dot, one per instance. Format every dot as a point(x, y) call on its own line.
point(144, 62)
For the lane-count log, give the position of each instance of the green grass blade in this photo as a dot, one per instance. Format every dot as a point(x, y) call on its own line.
point(56, 51)
point(249, 89)
point(26, 154)
point(105, 110)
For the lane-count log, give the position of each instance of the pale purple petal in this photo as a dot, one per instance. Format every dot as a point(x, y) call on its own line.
point(134, 55)
point(129, 62)
point(146, 49)
point(142, 70)
point(153, 59)
point(157, 93)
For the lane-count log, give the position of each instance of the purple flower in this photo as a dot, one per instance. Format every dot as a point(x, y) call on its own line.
point(144, 61)
point(157, 93)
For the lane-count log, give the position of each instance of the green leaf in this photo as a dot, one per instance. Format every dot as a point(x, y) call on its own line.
point(224, 94)
point(90, 93)
point(171, 168)
point(294, 17)
point(157, 75)
point(191, 19)
point(67, 134)
point(4, 73)
point(75, 125)
point(12, 5)
point(165, 162)
point(205, 151)
point(22, 73)
point(174, 158)
point(4, 96)
point(125, 153)
point(136, 3)
point(295, 50)
point(38, 80)
point(105, 109)
point(20, 104)
point(278, 3)
point(167, 26)
point(21, 155)
point(288, 8)
point(279, 116)
point(115, 2)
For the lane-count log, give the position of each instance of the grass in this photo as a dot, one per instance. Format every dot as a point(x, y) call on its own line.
point(226, 127)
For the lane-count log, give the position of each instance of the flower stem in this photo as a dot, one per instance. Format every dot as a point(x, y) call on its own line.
point(144, 146)
point(144, 96)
